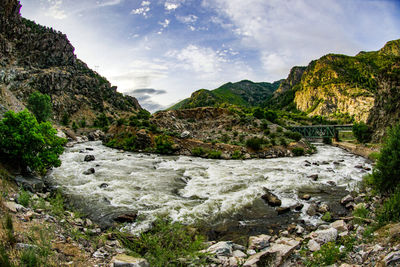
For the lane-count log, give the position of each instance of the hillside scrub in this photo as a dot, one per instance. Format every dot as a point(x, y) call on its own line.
point(40, 105)
point(29, 143)
point(362, 132)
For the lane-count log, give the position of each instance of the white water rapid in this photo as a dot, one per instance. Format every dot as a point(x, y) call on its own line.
point(192, 189)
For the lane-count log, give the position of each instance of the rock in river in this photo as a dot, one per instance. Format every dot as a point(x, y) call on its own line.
point(271, 198)
point(89, 158)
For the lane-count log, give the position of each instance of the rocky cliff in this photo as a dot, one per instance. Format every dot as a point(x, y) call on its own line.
point(36, 58)
point(364, 87)
point(244, 93)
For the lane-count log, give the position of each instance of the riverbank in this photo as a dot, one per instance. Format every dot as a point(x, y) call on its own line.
point(359, 149)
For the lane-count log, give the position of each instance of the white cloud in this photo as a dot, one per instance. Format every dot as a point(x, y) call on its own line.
point(187, 19)
point(165, 23)
point(55, 10)
point(171, 5)
point(288, 33)
point(109, 3)
point(143, 10)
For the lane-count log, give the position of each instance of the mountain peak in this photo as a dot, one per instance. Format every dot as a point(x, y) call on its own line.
point(391, 48)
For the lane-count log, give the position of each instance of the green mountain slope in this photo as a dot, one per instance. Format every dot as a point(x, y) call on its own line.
point(338, 86)
point(244, 93)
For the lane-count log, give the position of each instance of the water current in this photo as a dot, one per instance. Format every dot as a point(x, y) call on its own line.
point(196, 190)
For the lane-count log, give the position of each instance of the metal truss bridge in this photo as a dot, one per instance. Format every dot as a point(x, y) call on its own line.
point(321, 131)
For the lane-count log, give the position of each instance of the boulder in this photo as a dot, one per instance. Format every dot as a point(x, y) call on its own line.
point(339, 225)
point(393, 258)
point(239, 254)
point(96, 135)
point(282, 210)
point(347, 199)
point(223, 248)
point(314, 177)
point(89, 171)
point(12, 206)
point(259, 242)
point(123, 260)
point(313, 245)
point(30, 183)
point(312, 210)
point(305, 197)
point(185, 134)
point(89, 158)
point(271, 198)
point(103, 185)
point(324, 236)
point(126, 218)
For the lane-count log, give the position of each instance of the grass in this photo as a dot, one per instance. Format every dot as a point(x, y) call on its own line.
point(165, 244)
point(24, 198)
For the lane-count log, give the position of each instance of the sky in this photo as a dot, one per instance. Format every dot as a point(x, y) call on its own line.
point(161, 51)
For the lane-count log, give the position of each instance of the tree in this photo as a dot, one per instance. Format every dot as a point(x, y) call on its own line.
point(25, 141)
point(362, 132)
point(386, 174)
point(40, 105)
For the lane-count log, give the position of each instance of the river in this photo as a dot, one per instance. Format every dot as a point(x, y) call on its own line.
point(222, 193)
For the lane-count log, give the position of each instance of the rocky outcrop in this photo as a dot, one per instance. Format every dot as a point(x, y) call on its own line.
point(37, 58)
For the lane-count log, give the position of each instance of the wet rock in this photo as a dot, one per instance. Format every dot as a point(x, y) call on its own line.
point(123, 260)
point(259, 242)
point(30, 183)
point(297, 207)
point(324, 236)
point(282, 210)
point(89, 171)
point(346, 199)
point(89, 158)
point(126, 218)
point(14, 207)
point(89, 148)
point(314, 177)
point(313, 245)
point(339, 225)
point(312, 210)
point(271, 198)
point(305, 197)
point(223, 248)
point(325, 163)
point(103, 185)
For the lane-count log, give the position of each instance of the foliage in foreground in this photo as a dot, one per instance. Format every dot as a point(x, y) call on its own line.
point(362, 132)
point(386, 174)
point(165, 243)
point(24, 140)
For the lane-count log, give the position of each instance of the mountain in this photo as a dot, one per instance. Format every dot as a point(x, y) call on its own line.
point(244, 93)
point(36, 58)
point(365, 87)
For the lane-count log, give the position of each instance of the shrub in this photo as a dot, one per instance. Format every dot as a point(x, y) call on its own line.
point(101, 121)
point(327, 255)
point(163, 144)
point(254, 143)
point(24, 198)
point(29, 258)
point(327, 140)
point(298, 151)
point(270, 115)
point(279, 129)
point(143, 115)
point(82, 123)
point(40, 105)
point(65, 119)
point(237, 154)
point(386, 174)
point(360, 211)
point(9, 227)
point(4, 258)
point(74, 126)
point(24, 140)
point(198, 151)
point(390, 211)
point(165, 244)
point(258, 113)
point(214, 154)
point(293, 135)
point(362, 132)
point(327, 217)
point(283, 142)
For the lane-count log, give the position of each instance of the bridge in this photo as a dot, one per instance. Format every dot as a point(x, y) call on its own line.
point(321, 131)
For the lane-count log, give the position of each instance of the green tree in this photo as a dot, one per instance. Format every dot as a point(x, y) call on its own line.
point(24, 140)
point(40, 105)
point(362, 132)
point(386, 174)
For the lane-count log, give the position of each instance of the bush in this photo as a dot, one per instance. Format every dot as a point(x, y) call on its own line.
point(327, 217)
point(390, 211)
point(362, 132)
point(214, 154)
point(198, 151)
point(24, 140)
point(258, 113)
point(40, 105)
point(165, 244)
point(74, 126)
point(254, 143)
point(65, 119)
point(24, 198)
point(386, 174)
point(163, 144)
point(293, 135)
point(82, 123)
point(298, 151)
point(29, 258)
point(101, 121)
point(327, 255)
point(270, 115)
point(237, 154)
point(283, 142)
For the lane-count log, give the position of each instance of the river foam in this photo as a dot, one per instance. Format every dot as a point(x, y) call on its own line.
point(189, 189)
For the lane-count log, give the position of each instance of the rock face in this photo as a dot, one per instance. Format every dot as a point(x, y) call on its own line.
point(36, 58)
point(364, 87)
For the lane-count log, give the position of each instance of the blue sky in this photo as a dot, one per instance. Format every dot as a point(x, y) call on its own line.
point(163, 50)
